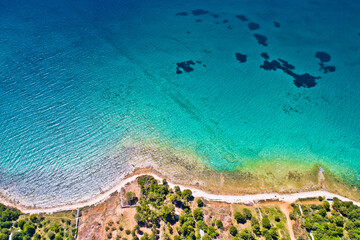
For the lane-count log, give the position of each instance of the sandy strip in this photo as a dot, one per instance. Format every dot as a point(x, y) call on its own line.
point(196, 193)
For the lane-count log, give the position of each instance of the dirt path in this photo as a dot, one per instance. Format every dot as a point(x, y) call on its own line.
point(196, 192)
point(285, 209)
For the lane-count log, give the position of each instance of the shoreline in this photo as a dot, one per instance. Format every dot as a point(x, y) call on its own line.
point(197, 192)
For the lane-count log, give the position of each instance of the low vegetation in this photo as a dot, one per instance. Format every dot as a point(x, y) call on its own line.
point(157, 211)
point(173, 214)
point(36, 227)
point(339, 220)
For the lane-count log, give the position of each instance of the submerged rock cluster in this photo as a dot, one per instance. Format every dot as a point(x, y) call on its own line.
point(305, 80)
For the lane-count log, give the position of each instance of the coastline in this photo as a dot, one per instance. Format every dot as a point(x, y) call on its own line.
point(197, 192)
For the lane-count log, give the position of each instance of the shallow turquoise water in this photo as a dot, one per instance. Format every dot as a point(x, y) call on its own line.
point(76, 79)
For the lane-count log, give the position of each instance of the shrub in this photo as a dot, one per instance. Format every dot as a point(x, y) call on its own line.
point(219, 224)
point(247, 213)
point(128, 231)
point(277, 218)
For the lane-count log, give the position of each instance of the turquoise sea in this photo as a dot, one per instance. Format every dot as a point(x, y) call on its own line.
point(230, 82)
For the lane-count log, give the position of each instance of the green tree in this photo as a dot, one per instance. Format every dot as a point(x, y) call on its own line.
point(266, 222)
point(339, 221)
point(200, 203)
point(219, 224)
point(274, 233)
point(139, 218)
point(167, 213)
point(51, 235)
point(21, 224)
point(37, 236)
point(326, 206)
point(4, 236)
point(176, 199)
point(198, 214)
point(17, 236)
point(256, 229)
point(322, 212)
point(239, 218)
point(233, 230)
point(130, 197)
point(187, 195)
point(246, 235)
point(177, 190)
point(205, 237)
point(308, 225)
point(34, 218)
point(145, 237)
point(29, 229)
point(58, 237)
point(167, 237)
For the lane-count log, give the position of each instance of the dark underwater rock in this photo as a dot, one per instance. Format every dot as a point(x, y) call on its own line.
point(276, 24)
point(261, 39)
point(184, 67)
point(242, 18)
point(241, 57)
point(253, 26)
point(199, 12)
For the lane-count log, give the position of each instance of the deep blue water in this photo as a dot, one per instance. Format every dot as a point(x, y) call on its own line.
point(228, 82)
